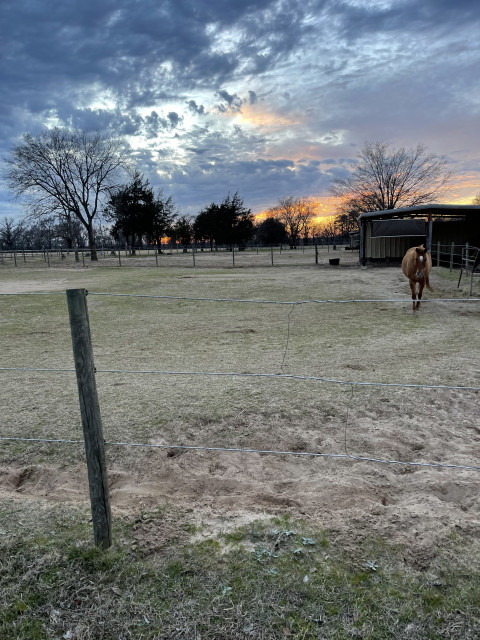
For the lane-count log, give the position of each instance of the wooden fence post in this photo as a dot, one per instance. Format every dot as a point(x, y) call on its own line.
point(316, 253)
point(452, 250)
point(91, 420)
point(438, 253)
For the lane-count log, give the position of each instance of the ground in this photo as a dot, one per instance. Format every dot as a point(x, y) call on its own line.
point(356, 341)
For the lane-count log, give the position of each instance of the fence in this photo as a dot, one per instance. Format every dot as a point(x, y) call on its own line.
point(449, 255)
point(90, 410)
point(452, 256)
point(179, 256)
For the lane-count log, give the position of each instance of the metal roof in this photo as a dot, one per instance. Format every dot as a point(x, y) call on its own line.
point(442, 210)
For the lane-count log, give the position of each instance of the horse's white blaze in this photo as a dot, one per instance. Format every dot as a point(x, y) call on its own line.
point(421, 258)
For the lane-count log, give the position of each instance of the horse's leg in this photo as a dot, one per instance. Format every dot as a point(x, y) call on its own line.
point(421, 284)
point(413, 287)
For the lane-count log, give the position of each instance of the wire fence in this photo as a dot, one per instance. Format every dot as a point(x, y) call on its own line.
point(309, 454)
point(449, 255)
point(191, 256)
point(292, 377)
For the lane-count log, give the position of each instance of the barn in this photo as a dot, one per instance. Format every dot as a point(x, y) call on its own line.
point(386, 235)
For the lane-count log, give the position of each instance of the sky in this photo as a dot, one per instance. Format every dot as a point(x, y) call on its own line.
point(268, 98)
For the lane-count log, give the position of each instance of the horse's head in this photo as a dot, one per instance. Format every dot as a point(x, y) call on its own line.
point(420, 260)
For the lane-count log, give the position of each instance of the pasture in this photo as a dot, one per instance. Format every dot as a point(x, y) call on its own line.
point(416, 507)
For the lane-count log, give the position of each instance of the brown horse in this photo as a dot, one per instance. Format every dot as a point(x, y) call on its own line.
point(416, 265)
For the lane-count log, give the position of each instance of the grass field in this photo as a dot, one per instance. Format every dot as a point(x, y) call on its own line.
point(194, 551)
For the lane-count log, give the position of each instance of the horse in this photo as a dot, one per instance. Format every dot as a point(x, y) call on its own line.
point(416, 266)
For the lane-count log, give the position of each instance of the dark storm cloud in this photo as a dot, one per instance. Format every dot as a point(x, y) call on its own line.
point(246, 94)
point(140, 52)
point(195, 108)
point(355, 20)
point(231, 103)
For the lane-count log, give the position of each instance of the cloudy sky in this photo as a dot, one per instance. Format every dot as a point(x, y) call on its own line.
point(267, 97)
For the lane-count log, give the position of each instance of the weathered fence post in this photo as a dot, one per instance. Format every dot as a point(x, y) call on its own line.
point(271, 251)
point(451, 256)
point(438, 254)
point(156, 257)
point(91, 420)
point(316, 253)
point(233, 256)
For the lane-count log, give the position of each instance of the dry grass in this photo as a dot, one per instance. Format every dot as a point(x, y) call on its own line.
point(189, 571)
point(169, 576)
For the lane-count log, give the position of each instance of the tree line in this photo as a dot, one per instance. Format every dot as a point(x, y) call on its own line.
point(135, 217)
point(71, 184)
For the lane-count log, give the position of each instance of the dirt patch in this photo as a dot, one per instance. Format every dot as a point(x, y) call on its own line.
point(386, 343)
point(31, 286)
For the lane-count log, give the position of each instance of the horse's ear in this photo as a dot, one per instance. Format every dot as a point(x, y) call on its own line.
point(417, 249)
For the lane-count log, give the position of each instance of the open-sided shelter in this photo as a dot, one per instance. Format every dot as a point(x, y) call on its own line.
point(386, 235)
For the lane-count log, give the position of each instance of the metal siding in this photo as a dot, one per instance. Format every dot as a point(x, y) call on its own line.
point(382, 248)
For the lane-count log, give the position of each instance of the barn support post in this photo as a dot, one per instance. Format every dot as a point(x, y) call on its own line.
point(362, 245)
point(91, 420)
point(429, 233)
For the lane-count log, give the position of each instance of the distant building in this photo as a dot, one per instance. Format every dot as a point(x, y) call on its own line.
point(386, 235)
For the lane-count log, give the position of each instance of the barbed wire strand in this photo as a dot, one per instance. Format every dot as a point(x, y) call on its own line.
point(193, 299)
point(280, 376)
point(34, 293)
point(325, 301)
point(262, 451)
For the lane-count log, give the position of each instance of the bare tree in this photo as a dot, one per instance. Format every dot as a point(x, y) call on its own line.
point(476, 199)
point(10, 233)
point(387, 178)
point(328, 231)
point(296, 215)
point(67, 172)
